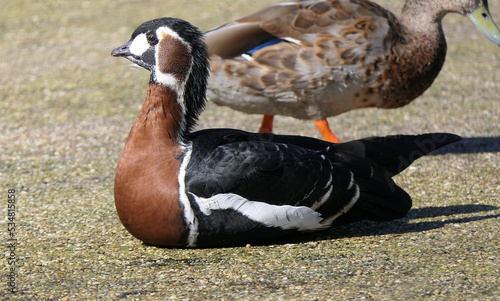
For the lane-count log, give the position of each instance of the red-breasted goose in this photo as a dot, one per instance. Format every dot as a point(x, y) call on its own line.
point(220, 187)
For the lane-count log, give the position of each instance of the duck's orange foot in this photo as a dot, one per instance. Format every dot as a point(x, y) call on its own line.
point(267, 124)
point(324, 130)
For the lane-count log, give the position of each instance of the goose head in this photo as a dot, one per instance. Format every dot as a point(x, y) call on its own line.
point(174, 53)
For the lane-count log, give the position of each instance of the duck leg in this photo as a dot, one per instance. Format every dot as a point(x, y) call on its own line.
point(324, 130)
point(267, 124)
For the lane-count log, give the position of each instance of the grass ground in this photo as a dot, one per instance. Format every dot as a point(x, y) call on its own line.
point(66, 108)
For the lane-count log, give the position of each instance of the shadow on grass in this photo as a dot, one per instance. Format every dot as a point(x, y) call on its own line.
point(471, 146)
point(402, 226)
point(369, 228)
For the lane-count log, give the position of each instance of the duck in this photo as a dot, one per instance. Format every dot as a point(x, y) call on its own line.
point(313, 59)
point(176, 187)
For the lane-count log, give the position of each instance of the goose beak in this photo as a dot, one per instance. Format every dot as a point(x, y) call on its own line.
point(123, 50)
point(481, 17)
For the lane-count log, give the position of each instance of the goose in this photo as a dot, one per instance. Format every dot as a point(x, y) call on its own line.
point(175, 187)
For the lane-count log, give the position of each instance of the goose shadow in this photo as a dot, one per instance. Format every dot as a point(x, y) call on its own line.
point(472, 145)
point(404, 226)
point(369, 228)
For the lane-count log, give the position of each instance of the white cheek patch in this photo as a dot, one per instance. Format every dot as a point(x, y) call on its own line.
point(139, 45)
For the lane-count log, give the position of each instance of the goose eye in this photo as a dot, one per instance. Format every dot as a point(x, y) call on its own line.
point(152, 40)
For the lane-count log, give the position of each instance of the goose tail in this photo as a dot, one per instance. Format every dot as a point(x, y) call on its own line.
point(373, 162)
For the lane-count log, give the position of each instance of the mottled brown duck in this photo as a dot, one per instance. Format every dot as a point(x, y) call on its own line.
point(314, 59)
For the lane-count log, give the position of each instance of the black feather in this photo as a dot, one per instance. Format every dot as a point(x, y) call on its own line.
point(262, 167)
point(396, 153)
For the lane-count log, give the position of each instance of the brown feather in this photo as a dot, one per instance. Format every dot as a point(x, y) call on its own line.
point(146, 193)
point(339, 55)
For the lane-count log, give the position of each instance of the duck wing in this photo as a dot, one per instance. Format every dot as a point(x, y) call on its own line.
point(318, 57)
point(297, 21)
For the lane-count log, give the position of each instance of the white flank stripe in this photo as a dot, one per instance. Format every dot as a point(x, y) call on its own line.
point(192, 223)
point(286, 217)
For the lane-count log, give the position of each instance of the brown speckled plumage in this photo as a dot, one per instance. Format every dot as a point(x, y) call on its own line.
point(338, 55)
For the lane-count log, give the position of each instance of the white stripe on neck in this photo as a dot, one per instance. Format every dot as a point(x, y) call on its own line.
point(191, 221)
point(167, 80)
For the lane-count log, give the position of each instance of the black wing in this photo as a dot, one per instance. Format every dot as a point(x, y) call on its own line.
point(301, 171)
point(259, 167)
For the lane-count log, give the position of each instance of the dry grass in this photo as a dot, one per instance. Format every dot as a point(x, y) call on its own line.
point(67, 107)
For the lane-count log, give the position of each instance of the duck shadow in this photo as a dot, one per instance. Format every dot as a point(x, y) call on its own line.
point(403, 226)
point(471, 146)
